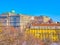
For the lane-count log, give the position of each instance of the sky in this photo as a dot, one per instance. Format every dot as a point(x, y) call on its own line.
point(49, 8)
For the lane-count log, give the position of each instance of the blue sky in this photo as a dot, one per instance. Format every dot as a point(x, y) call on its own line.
point(49, 8)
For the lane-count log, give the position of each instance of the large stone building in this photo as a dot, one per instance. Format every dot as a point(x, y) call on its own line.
point(12, 19)
point(10, 22)
point(20, 21)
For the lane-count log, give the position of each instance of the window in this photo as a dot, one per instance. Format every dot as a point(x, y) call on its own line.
point(14, 21)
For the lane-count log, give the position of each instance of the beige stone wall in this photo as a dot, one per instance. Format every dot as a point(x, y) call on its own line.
point(45, 19)
point(24, 19)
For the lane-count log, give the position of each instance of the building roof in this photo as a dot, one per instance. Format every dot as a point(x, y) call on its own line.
point(52, 24)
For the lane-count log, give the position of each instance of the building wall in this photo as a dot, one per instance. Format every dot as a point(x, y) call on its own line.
point(3, 20)
point(45, 19)
point(38, 19)
point(14, 20)
point(43, 34)
point(24, 19)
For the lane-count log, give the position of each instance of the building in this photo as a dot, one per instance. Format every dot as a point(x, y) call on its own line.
point(42, 19)
point(13, 19)
point(3, 20)
point(24, 19)
point(10, 22)
point(46, 19)
point(21, 27)
point(44, 31)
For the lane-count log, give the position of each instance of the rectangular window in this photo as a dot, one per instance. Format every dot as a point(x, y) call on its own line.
point(14, 21)
point(14, 24)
